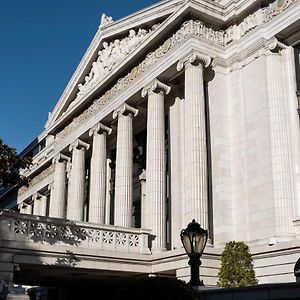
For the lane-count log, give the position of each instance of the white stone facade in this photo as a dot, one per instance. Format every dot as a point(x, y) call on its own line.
point(192, 117)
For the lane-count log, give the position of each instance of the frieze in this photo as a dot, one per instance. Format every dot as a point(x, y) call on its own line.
point(276, 8)
point(252, 21)
point(35, 180)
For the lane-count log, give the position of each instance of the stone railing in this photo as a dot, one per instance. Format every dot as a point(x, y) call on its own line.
point(35, 229)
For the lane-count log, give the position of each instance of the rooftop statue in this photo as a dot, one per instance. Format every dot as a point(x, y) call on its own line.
point(105, 20)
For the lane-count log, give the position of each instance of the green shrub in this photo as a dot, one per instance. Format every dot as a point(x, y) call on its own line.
point(236, 266)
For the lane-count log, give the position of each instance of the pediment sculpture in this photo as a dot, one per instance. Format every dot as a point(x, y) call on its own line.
point(110, 55)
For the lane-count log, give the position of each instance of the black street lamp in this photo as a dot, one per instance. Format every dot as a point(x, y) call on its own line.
point(194, 239)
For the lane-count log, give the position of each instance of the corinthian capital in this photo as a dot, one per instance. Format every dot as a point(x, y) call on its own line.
point(125, 109)
point(194, 58)
point(156, 86)
point(60, 158)
point(100, 128)
point(78, 144)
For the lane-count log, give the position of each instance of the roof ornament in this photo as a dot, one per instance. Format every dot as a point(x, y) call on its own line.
point(105, 20)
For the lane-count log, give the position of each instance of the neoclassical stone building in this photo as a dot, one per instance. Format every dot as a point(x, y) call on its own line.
point(185, 110)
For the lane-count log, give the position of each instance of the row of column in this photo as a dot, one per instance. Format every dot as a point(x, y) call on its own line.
point(154, 186)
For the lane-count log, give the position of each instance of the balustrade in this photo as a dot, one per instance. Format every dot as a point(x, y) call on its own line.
point(28, 228)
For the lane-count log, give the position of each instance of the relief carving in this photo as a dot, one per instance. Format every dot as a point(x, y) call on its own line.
point(261, 16)
point(276, 8)
point(109, 56)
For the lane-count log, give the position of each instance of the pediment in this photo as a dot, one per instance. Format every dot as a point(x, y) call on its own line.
point(105, 40)
point(118, 46)
point(119, 42)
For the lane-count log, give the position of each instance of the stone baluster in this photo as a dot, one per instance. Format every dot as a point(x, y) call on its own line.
point(108, 191)
point(124, 165)
point(196, 193)
point(75, 205)
point(155, 201)
point(58, 189)
point(98, 173)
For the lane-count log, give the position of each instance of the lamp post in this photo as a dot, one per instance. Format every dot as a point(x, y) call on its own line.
point(194, 239)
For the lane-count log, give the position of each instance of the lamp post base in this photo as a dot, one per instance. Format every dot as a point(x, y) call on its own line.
point(195, 284)
point(195, 263)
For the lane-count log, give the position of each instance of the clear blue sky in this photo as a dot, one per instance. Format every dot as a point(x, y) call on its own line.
point(41, 44)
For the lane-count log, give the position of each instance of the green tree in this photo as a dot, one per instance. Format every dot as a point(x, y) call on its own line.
point(10, 165)
point(236, 266)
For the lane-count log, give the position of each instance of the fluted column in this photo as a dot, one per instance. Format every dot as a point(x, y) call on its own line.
point(195, 173)
point(98, 174)
point(39, 205)
point(142, 179)
point(108, 191)
point(75, 206)
point(124, 165)
point(292, 105)
point(280, 148)
point(156, 163)
point(58, 190)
